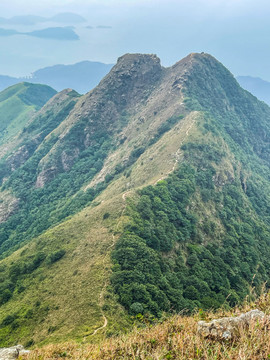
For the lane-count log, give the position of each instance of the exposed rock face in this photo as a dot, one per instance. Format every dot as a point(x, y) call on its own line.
point(22, 154)
point(12, 352)
point(228, 327)
point(18, 158)
point(131, 79)
point(8, 205)
point(45, 176)
point(68, 158)
point(224, 177)
point(126, 88)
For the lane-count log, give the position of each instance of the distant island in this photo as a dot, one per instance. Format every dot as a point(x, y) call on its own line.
point(56, 33)
point(82, 76)
point(66, 17)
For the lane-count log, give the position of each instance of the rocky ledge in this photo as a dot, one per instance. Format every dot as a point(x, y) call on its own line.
point(12, 352)
point(228, 328)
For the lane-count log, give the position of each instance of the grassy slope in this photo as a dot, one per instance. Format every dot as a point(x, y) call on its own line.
point(175, 338)
point(87, 239)
point(17, 104)
point(63, 297)
point(84, 266)
point(84, 270)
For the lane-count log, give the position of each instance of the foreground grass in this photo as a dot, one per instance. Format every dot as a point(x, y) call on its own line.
point(175, 338)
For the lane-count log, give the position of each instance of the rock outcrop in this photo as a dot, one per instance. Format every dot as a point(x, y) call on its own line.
point(45, 176)
point(12, 352)
point(228, 327)
point(8, 205)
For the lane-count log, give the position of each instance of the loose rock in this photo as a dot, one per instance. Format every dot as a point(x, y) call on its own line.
point(12, 352)
point(228, 327)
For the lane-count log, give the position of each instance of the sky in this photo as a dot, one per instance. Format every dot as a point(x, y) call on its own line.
point(236, 32)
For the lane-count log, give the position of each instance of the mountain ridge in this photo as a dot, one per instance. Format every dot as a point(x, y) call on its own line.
point(17, 104)
point(154, 196)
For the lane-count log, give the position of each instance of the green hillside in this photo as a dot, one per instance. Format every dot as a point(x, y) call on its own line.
point(200, 239)
point(17, 104)
point(149, 194)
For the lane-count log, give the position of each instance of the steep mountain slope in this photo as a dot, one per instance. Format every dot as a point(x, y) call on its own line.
point(206, 228)
point(258, 87)
point(18, 166)
point(81, 76)
point(171, 169)
point(17, 104)
point(174, 338)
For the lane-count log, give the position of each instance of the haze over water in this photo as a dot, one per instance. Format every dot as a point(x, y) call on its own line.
point(235, 32)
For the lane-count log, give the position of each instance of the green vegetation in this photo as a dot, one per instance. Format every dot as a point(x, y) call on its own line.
point(172, 338)
point(171, 258)
point(17, 103)
point(40, 208)
point(180, 217)
point(61, 272)
point(200, 238)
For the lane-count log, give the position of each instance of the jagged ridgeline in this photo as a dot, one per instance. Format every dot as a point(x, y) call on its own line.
point(148, 194)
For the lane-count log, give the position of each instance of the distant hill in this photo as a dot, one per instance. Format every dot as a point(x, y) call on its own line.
point(22, 20)
point(17, 104)
point(6, 81)
point(56, 33)
point(81, 77)
point(257, 86)
point(33, 19)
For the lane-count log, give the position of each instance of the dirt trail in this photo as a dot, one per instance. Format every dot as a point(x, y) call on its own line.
point(177, 154)
point(124, 197)
point(102, 292)
point(101, 295)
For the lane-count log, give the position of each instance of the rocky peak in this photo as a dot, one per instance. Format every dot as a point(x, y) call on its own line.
point(194, 59)
point(132, 79)
point(206, 80)
point(141, 63)
point(201, 65)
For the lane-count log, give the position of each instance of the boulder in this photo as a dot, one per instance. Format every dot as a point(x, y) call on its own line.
point(228, 327)
point(12, 352)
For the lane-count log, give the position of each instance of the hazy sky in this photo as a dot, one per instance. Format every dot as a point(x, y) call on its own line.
point(236, 32)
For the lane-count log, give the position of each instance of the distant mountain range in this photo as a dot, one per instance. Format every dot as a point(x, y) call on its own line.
point(257, 86)
point(66, 17)
point(55, 33)
point(82, 76)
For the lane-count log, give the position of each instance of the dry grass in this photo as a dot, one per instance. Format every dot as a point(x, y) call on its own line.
point(69, 290)
point(175, 338)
